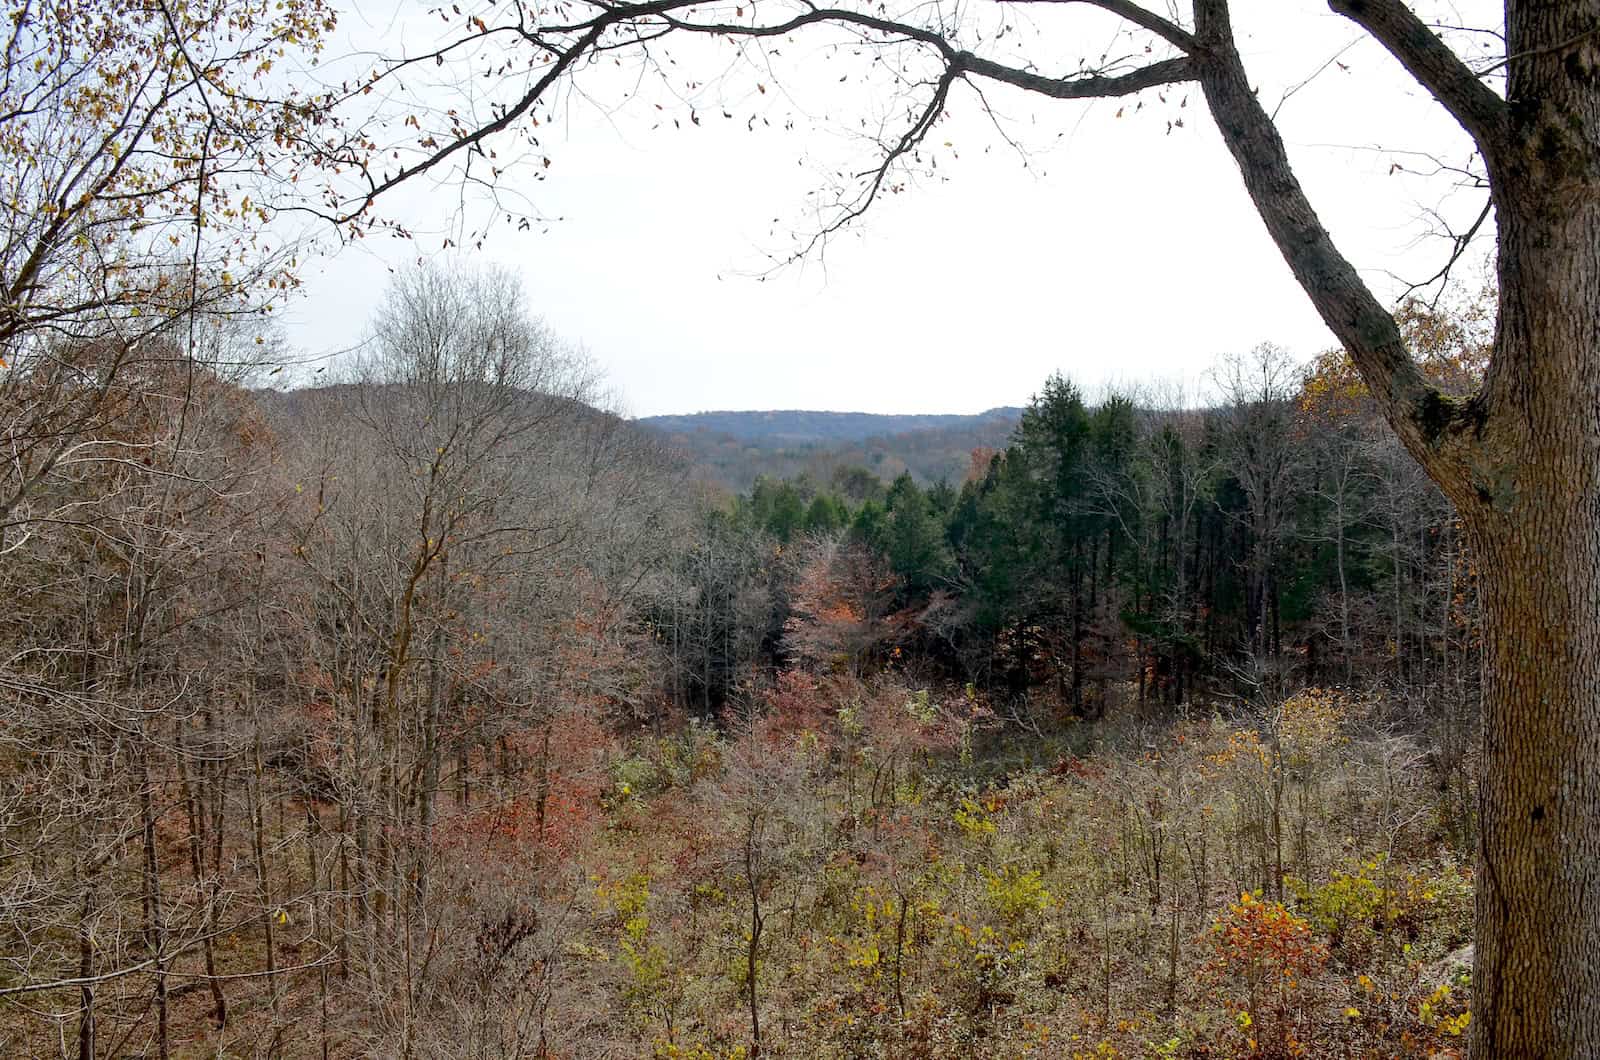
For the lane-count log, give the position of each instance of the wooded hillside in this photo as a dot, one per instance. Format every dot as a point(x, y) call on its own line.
point(428, 713)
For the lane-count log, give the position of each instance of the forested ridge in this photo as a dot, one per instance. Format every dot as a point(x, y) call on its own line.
point(797, 426)
point(734, 449)
point(434, 712)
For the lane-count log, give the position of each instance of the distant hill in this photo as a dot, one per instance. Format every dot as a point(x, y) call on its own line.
point(289, 409)
point(790, 427)
point(735, 448)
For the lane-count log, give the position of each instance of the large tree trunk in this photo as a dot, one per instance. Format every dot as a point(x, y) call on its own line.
point(1537, 982)
point(1534, 518)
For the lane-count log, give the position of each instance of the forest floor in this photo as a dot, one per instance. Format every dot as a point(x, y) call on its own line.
point(874, 870)
point(1293, 883)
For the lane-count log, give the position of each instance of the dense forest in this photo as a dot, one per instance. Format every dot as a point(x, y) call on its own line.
point(435, 712)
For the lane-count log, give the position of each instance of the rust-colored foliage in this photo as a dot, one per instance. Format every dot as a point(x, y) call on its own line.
point(1262, 954)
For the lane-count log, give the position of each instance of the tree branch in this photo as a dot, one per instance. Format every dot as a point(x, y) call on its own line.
point(1458, 247)
point(664, 16)
point(1438, 69)
point(1090, 86)
point(1166, 29)
point(1433, 427)
point(1094, 86)
point(908, 142)
point(483, 132)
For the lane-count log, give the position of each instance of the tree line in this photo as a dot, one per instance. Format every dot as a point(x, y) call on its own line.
point(1143, 549)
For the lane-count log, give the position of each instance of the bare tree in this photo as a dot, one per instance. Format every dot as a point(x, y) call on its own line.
point(473, 534)
point(140, 151)
point(1265, 456)
point(117, 647)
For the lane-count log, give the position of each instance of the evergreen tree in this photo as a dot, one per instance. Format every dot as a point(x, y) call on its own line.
point(915, 540)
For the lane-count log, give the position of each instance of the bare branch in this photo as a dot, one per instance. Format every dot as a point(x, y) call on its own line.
point(583, 45)
point(1166, 29)
point(908, 142)
point(1472, 103)
point(643, 22)
point(1094, 86)
point(1458, 247)
point(1428, 423)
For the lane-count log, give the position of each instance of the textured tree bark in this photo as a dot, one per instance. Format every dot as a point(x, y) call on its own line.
point(1537, 981)
point(1533, 514)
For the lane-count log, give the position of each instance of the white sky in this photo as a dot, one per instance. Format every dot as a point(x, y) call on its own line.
point(1123, 254)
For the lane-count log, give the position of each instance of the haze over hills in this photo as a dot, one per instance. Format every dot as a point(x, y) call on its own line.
point(735, 448)
point(802, 427)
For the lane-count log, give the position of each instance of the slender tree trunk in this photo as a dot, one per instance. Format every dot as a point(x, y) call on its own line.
point(194, 808)
point(752, 857)
point(258, 847)
point(430, 765)
point(542, 781)
point(1399, 584)
point(1344, 591)
point(86, 1028)
point(155, 906)
point(319, 919)
point(899, 955)
point(346, 920)
point(1275, 600)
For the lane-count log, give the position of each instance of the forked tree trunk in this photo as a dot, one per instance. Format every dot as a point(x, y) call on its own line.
point(1520, 461)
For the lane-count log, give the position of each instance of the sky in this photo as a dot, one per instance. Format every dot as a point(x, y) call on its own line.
point(1123, 252)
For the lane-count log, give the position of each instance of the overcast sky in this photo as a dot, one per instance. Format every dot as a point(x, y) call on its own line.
point(1121, 253)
